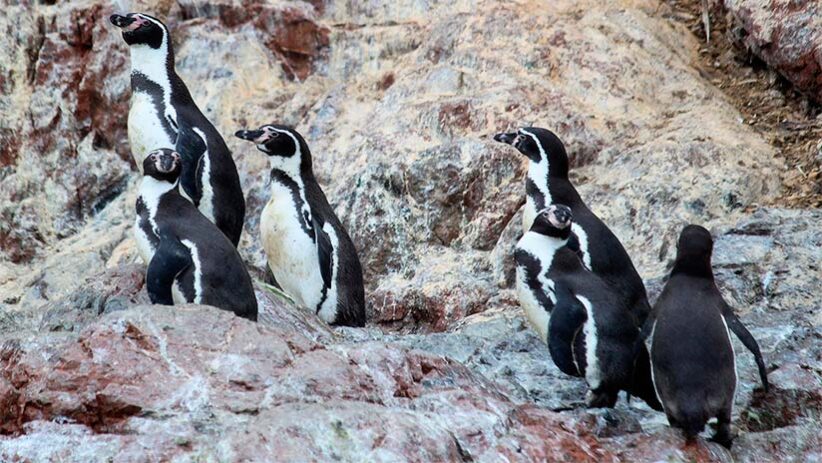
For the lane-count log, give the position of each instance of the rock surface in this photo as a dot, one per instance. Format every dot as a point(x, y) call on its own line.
point(397, 101)
point(158, 384)
point(787, 35)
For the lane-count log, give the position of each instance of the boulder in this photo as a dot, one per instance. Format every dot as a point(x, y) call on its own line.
point(786, 35)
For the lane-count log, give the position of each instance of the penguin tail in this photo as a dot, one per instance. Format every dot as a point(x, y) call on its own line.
point(691, 420)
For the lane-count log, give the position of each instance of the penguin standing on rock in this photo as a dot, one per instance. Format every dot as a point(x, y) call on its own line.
point(308, 250)
point(589, 331)
point(163, 115)
point(190, 260)
point(547, 183)
point(694, 368)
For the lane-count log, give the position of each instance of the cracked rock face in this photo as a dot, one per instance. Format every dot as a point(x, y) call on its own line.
point(397, 101)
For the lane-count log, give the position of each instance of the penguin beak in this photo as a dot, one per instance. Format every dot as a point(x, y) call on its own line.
point(167, 162)
point(128, 23)
point(506, 137)
point(256, 136)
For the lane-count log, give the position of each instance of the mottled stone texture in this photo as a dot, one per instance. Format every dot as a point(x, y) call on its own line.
point(786, 34)
point(397, 101)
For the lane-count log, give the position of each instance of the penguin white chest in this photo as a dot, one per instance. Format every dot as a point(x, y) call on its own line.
point(145, 128)
point(291, 253)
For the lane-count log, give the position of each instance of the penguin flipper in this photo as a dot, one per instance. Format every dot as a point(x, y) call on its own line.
point(171, 258)
point(325, 251)
point(191, 148)
point(566, 320)
point(748, 340)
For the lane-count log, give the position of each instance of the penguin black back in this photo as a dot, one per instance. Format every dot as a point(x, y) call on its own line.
point(693, 359)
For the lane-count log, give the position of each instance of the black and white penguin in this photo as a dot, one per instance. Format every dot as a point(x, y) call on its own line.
point(163, 115)
point(309, 251)
point(692, 357)
point(189, 259)
point(547, 183)
point(589, 331)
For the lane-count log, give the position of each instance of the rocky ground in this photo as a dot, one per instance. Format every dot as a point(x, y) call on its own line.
point(397, 101)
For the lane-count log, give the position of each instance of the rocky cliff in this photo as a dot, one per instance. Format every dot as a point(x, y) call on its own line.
point(397, 101)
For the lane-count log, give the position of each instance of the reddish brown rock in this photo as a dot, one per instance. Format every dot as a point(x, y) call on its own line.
point(786, 34)
point(291, 32)
point(172, 380)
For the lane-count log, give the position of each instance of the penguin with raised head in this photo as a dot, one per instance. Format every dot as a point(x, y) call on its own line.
point(163, 115)
point(692, 357)
point(547, 183)
point(589, 331)
point(308, 250)
point(189, 259)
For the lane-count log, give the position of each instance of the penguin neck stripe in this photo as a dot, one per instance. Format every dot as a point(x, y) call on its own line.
point(157, 64)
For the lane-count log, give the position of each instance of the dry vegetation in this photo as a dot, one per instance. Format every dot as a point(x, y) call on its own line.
point(789, 120)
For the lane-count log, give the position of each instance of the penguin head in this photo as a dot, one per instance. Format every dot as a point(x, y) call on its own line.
point(141, 29)
point(163, 164)
point(554, 221)
point(539, 145)
point(285, 147)
point(693, 252)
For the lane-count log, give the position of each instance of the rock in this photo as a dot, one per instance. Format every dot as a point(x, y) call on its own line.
point(397, 101)
point(792, 444)
point(796, 394)
point(172, 381)
point(784, 34)
point(669, 445)
point(62, 99)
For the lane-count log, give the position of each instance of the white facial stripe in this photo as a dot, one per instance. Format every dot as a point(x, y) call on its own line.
point(154, 21)
point(536, 140)
point(291, 166)
point(538, 173)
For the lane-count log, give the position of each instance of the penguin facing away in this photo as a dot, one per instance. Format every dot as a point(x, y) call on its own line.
point(589, 331)
point(190, 260)
point(693, 359)
point(547, 183)
point(163, 115)
point(308, 250)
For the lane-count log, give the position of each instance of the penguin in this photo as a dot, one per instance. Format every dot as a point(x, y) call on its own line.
point(589, 331)
point(692, 357)
point(546, 183)
point(308, 250)
point(163, 115)
point(189, 259)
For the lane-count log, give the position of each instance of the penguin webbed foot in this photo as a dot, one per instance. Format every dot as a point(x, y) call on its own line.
point(601, 399)
point(723, 437)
